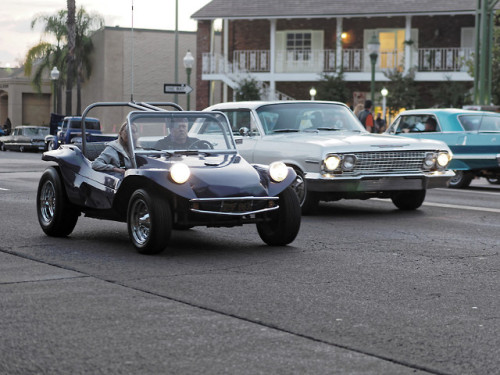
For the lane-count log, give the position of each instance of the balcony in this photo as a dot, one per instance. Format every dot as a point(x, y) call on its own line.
point(426, 60)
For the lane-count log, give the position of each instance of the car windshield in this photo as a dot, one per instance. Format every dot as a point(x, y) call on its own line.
point(307, 117)
point(192, 132)
point(31, 132)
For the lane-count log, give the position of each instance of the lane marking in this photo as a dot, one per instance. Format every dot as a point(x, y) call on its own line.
point(4, 189)
point(470, 208)
point(467, 191)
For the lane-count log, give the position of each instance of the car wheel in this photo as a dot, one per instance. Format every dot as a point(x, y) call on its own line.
point(308, 201)
point(408, 200)
point(21, 148)
point(51, 145)
point(149, 222)
point(493, 180)
point(2, 146)
point(285, 221)
point(56, 214)
point(461, 180)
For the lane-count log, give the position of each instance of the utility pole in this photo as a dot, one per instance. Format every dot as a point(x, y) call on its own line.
point(484, 45)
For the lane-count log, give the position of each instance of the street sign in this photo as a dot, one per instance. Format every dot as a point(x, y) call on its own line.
point(176, 88)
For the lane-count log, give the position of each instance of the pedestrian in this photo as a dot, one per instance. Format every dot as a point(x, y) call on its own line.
point(357, 110)
point(366, 116)
point(7, 127)
point(379, 124)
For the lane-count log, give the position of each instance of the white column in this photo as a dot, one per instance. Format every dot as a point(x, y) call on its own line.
point(408, 47)
point(272, 58)
point(338, 53)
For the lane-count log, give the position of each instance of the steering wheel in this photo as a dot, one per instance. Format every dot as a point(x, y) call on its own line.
point(201, 145)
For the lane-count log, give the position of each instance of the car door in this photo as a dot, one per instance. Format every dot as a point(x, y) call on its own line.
point(246, 131)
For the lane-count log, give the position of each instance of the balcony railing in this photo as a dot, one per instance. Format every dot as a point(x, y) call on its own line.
point(352, 60)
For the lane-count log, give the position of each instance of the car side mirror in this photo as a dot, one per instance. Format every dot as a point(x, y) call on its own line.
point(244, 131)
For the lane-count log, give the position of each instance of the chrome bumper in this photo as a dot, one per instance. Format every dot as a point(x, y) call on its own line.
point(378, 183)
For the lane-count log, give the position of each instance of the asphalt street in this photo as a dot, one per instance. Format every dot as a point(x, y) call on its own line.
point(364, 289)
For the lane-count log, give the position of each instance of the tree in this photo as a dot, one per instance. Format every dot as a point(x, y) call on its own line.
point(249, 89)
point(70, 56)
point(451, 94)
point(333, 87)
point(402, 89)
point(44, 56)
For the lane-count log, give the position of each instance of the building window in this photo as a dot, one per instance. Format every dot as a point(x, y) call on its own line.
point(299, 43)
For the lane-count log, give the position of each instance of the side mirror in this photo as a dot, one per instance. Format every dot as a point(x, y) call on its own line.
point(244, 131)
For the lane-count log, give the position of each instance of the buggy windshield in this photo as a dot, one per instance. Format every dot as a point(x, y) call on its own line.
point(162, 131)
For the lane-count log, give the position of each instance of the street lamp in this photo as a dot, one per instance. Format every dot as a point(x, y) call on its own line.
point(373, 50)
point(312, 93)
point(384, 93)
point(54, 76)
point(188, 64)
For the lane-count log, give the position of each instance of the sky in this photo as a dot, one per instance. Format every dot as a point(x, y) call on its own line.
point(17, 37)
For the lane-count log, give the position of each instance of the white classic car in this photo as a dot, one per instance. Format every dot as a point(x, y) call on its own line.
point(333, 155)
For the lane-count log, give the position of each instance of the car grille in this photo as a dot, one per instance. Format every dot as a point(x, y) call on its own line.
point(388, 162)
point(234, 206)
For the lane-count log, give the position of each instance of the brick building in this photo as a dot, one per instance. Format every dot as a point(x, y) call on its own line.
point(288, 44)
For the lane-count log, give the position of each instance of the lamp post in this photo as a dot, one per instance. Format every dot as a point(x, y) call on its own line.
point(54, 76)
point(188, 61)
point(384, 93)
point(312, 93)
point(373, 50)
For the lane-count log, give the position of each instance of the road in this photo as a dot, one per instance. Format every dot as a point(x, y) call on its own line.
point(364, 289)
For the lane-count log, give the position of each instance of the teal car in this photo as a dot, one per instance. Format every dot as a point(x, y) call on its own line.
point(473, 137)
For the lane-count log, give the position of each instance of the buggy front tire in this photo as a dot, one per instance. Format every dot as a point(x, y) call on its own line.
point(149, 222)
point(285, 221)
point(56, 215)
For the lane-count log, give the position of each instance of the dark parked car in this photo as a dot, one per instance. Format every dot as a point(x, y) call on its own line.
point(204, 183)
point(24, 138)
point(473, 137)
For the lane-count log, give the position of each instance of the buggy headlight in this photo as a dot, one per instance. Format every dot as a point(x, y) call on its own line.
point(332, 162)
point(443, 159)
point(278, 171)
point(179, 172)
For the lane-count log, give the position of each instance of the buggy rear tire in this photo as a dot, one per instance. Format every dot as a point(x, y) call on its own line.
point(56, 215)
point(149, 222)
point(285, 221)
point(408, 200)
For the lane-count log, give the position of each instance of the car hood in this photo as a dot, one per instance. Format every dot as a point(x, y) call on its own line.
point(351, 142)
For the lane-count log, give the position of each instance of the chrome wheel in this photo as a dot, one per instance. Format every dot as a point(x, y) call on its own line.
point(140, 221)
point(299, 186)
point(47, 202)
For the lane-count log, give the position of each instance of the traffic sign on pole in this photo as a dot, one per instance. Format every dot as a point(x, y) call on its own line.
point(176, 88)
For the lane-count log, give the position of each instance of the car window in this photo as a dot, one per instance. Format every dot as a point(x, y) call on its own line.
point(490, 124)
point(470, 122)
point(419, 123)
point(89, 125)
point(297, 117)
point(241, 119)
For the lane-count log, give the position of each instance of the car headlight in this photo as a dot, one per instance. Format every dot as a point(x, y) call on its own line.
point(429, 161)
point(443, 159)
point(179, 172)
point(332, 162)
point(278, 171)
point(348, 162)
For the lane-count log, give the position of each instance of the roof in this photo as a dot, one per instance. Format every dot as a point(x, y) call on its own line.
point(265, 9)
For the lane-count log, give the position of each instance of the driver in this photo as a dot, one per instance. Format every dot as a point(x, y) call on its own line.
point(178, 138)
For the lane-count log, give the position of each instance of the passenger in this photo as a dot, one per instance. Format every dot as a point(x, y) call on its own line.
point(430, 125)
point(116, 156)
point(178, 138)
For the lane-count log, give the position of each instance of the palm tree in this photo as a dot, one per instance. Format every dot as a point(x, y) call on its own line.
point(44, 55)
point(70, 57)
